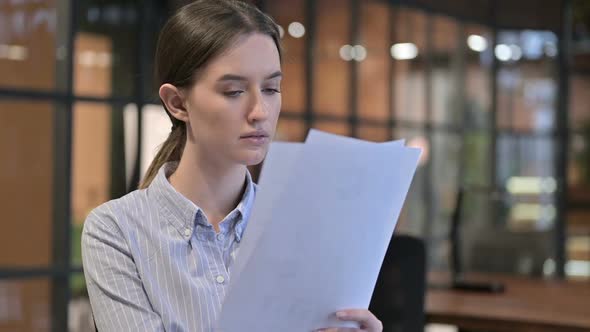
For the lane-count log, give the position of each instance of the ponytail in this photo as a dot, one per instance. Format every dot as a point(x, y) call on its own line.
point(171, 150)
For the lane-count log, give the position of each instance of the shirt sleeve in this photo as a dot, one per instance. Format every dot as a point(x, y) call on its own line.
point(118, 299)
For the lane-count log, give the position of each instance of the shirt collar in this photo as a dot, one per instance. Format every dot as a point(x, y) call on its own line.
point(182, 213)
point(245, 206)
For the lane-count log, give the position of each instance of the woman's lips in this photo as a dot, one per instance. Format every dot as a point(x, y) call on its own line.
point(256, 139)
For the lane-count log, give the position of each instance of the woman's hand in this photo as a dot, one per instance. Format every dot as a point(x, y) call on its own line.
point(367, 321)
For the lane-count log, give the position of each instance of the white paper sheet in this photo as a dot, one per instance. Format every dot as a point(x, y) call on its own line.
point(323, 217)
point(280, 160)
point(322, 137)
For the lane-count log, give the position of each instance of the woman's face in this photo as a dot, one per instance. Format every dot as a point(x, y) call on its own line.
point(234, 105)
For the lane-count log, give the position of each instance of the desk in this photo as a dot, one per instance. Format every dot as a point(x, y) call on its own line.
point(525, 305)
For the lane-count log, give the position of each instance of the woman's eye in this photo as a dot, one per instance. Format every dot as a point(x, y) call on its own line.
point(233, 93)
point(271, 91)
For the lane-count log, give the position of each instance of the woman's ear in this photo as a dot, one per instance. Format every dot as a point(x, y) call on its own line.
point(173, 98)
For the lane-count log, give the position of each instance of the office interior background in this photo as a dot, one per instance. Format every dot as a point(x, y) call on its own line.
point(496, 92)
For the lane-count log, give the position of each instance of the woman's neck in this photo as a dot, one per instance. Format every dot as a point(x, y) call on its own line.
point(216, 190)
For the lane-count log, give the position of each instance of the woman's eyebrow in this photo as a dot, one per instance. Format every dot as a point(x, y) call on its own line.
point(233, 77)
point(277, 73)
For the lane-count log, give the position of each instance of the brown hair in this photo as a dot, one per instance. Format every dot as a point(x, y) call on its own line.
point(194, 35)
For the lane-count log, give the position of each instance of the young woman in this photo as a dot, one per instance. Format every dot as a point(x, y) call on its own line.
point(159, 258)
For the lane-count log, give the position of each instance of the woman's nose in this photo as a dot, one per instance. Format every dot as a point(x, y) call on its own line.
point(258, 109)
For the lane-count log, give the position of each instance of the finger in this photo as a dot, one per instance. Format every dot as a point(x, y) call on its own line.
point(367, 320)
point(339, 329)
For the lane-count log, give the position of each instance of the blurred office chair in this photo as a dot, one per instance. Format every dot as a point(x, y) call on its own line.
point(398, 299)
point(500, 250)
point(495, 248)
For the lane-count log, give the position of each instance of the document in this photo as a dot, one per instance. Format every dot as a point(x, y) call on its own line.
point(324, 214)
point(277, 165)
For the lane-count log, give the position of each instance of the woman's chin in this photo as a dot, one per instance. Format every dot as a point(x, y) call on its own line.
point(251, 158)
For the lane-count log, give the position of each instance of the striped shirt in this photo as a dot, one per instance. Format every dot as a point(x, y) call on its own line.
point(153, 262)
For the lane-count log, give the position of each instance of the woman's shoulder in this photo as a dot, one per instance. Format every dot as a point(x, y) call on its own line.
point(118, 213)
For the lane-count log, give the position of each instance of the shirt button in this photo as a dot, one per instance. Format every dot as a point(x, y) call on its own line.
point(187, 232)
point(220, 237)
point(220, 279)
